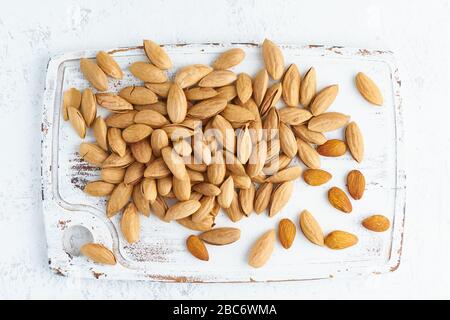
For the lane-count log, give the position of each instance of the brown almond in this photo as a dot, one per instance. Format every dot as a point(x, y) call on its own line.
point(130, 224)
point(92, 72)
point(316, 177)
point(338, 240)
point(332, 148)
point(355, 141)
point(221, 236)
point(247, 199)
point(206, 205)
point(207, 189)
point(308, 87)
point(308, 154)
point(262, 197)
point(100, 131)
point(121, 120)
point(229, 59)
point(356, 184)
point(77, 121)
point(262, 250)
point(182, 209)
point(174, 162)
point(157, 55)
point(98, 253)
point(147, 72)
point(376, 223)
point(234, 212)
point(148, 189)
point(294, 116)
point(198, 93)
point(197, 248)
point(288, 143)
point(286, 233)
point(288, 174)
point(141, 151)
point(291, 86)
point(235, 113)
point(119, 198)
point(113, 102)
point(368, 89)
point(260, 86)
point(160, 89)
point(311, 228)
point(205, 225)
point(92, 153)
point(323, 100)
point(138, 95)
point(226, 193)
point(176, 104)
point(88, 106)
point(302, 132)
point(157, 169)
point(109, 66)
point(207, 108)
point(244, 87)
point(112, 175)
point(182, 188)
point(218, 78)
point(273, 59)
point(329, 121)
point(190, 75)
point(158, 141)
point(339, 200)
point(280, 197)
point(164, 185)
point(134, 173)
point(142, 204)
point(241, 182)
point(99, 188)
point(116, 161)
point(136, 132)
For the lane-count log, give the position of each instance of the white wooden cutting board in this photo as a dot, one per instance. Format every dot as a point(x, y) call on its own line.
point(71, 217)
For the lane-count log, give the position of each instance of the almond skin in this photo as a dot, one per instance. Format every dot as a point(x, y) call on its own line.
point(376, 223)
point(332, 148)
point(338, 240)
point(368, 89)
point(197, 248)
point(339, 200)
point(316, 177)
point(356, 184)
point(262, 249)
point(98, 253)
point(286, 233)
point(221, 236)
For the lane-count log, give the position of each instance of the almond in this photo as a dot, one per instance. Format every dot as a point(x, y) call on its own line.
point(157, 169)
point(332, 148)
point(159, 208)
point(302, 132)
point(174, 162)
point(147, 72)
point(260, 86)
point(262, 249)
point(113, 102)
point(216, 170)
point(226, 193)
point(92, 153)
point(207, 189)
point(234, 212)
point(109, 66)
point(356, 184)
point(228, 92)
point(116, 161)
point(121, 120)
point(206, 205)
point(130, 224)
point(71, 98)
point(141, 203)
point(88, 106)
point(176, 104)
point(99, 188)
point(308, 154)
point(100, 131)
point(308, 87)
point(197, 248)
point(244, 145)
point(316, 177)
point(273, 59)
point(329, 121)
point(112, 175)
point(182, 209)
point(234, 113)
point(311, 228)
point(164, 185)
point(257, 159)
point(294, 116)
point(190, 75)
point(182, 188)
point(355, 141)
point(141, 151)
point(200, 93)
point(291, 86)
point(157, 55)
point(225, 135)
point(368, 89)
point(271, 98)
point(158, 141)
point(229, 59)
point(98, 253)
point(339, 200)
point(323, 100)
point(288, 142)
point(376, 223)
point(244, 87)
point(160, 89)
point(134, 173)
point(340, 240)
point(247, 198)
point(286, 233)
point(280, 197)
point(148, 189)
point(277, 164)
point(119, 198)
point(205, 225)
point(77, 121)
point(218, 78)
point(221, 236)
point(138, 95)
point(136, 132)
point(92, 72)
point(288, 174)
point(207, 108)
point(241, 182)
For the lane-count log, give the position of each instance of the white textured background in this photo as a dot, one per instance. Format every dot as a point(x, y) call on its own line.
point(417, 31)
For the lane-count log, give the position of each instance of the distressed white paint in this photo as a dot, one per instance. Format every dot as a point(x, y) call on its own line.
point(414, 30)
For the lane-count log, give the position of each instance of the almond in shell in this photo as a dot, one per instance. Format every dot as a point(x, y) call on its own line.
point(92, 153)
point(260, 86)
point(284, 175)
point(112, 175)
point(288, 142)
point(294, 116)
point(176, 104)
point(119, 198)
point(244, 87)
point(100, 131)
point(308, 154)
point(138, 95)
point(226, 193)
point(190, 75)
point(291, 86)
point(182, 209)
point(113, 102)
point(218, 78)
point(301, 131)
point(247, 199)
point(77, 121)
point(136, 132)
point(328, 121)
point(141, 151)
point(121, 120)
point(160, 89)
point(99, 188)
point(88, 106)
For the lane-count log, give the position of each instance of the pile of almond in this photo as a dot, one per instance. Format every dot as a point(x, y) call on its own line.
point(211, 139)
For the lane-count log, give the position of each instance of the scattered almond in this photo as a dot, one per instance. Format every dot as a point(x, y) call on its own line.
point(197, 248)
point(339, 200)
point(262, 250)
point(286, 233)
point(98, 253)
point(221, 236)
point(332, 148)
point(316, 177)
point(356, 184)
point(368, 89)
point(338, 240)
point(311, 228)
point(376, 223)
